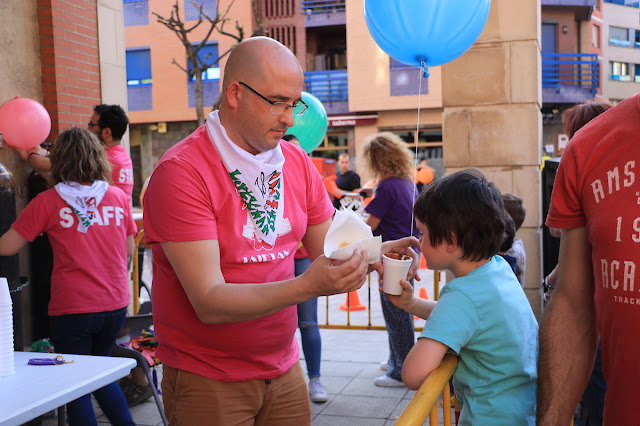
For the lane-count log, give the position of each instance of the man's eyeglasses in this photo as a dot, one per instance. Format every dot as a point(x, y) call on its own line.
point(280, 108)
point(90, 124)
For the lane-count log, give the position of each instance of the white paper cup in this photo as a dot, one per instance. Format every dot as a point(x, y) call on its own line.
point(396, 267)
point(5, 296)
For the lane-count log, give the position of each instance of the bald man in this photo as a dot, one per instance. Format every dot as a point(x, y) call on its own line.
point(225, 210)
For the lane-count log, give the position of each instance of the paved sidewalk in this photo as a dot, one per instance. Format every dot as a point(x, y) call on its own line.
point(350, 361)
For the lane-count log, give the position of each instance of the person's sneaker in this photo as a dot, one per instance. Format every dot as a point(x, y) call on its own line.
point(317, 393)
point(384, 366)
point(387, 382)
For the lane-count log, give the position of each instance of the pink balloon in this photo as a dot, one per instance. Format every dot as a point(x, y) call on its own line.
point(24, 123)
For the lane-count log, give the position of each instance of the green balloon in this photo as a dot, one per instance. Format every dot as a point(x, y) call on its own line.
point(310, 127)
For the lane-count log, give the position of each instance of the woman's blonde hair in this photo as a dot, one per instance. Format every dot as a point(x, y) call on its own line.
point(386, 156)
point(78, 156)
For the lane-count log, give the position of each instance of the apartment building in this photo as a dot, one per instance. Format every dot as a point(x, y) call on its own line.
point(362, 89)
point(620, 49)
point(161, 95)
point(570, 50)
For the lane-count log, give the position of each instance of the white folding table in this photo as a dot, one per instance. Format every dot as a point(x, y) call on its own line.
point(37, 389)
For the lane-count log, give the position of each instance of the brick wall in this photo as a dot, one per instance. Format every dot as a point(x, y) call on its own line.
point(70, 61)
point(563, 17)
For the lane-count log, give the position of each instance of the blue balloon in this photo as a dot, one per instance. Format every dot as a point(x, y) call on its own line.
point(430, 31)
point(310, 127)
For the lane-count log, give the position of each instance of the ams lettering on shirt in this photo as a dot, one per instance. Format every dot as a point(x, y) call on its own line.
point(104, 216)
point(613, 181)
point(618, 274)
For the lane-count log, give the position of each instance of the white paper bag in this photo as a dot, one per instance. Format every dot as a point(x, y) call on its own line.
point(348, 232)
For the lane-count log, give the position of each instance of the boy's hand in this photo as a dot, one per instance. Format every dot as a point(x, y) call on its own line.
point(404, 300)
point(401, 246)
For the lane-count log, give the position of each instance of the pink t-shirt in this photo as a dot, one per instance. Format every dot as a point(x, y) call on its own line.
point(191, 197)
point(89, 270)
point(121, 168)
point(597, 186)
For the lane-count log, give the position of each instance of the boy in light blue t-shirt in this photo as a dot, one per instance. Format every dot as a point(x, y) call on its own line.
point(482, 315)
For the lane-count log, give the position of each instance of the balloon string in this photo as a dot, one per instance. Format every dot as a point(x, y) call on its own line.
point(423, 72)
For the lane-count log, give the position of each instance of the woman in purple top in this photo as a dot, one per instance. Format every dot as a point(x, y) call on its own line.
point(389, 159)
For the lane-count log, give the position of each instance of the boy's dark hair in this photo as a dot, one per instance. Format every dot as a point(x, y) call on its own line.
point(464, 206)
point(509, 233)
point(513, 205)
point(289, 136)
point(112, 117)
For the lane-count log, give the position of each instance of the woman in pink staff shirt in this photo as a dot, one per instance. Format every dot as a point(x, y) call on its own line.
point(91, 229)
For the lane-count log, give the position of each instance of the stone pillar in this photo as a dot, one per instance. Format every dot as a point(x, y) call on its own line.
point(491, 121)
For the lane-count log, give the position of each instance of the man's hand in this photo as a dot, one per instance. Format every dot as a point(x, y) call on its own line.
point(401, 246)
point(330, 276)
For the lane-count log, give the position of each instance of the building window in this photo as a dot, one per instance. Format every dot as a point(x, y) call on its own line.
point(636, 73)
point(138, 67)
point(210, 78)
point(139, 90)
point(208, 54)
point(619, 71)
point(279, 8)
point(405, 80)
point(595, 36)
point(636, 42)
point(619, 37)
point(429, 147)
point(192, 9)
point(624, 3)
point(136, 12)
point(333, 145)
point(285, 34)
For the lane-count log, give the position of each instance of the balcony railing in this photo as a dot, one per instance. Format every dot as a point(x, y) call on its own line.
point(330, 87)
point(321, 13)
point(574, 77)
point(309, 7)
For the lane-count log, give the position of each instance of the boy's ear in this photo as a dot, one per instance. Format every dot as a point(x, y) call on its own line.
point(453, 245)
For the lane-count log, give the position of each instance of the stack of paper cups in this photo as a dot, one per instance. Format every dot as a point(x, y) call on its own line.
point(6, 330)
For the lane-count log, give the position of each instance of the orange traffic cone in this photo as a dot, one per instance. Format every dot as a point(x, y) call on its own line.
point(352, 302)
point(422, 294)
point(423, 263)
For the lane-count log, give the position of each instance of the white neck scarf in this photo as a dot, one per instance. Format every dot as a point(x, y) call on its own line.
point(83, 200)
point(258, 179)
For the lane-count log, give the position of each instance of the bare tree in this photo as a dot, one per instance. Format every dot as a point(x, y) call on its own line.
point(215, 24)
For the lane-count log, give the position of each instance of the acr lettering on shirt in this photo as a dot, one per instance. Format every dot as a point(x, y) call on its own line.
point(617, 274)
point(102, 216)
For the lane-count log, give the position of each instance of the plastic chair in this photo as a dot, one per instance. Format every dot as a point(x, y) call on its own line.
point(135, 324)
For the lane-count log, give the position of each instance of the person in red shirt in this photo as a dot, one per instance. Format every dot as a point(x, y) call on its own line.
point(108, 123)
point(594, 203)
point(225, 211)
point(91, 229)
